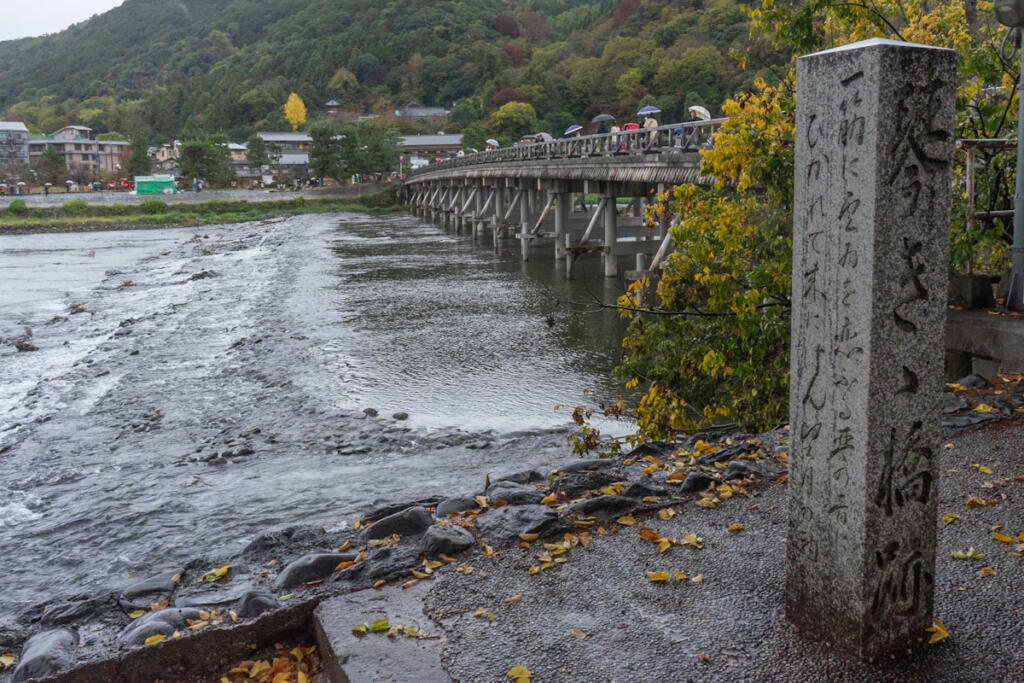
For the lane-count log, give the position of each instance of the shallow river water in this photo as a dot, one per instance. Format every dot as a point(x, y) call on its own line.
point(192, 390)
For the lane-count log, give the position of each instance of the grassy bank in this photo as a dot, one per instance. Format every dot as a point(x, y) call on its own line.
point(78, 214)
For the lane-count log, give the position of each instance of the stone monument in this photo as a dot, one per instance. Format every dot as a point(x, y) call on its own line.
point(874, 140)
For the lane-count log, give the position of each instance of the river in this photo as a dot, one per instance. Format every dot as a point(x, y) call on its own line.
point(193, 389)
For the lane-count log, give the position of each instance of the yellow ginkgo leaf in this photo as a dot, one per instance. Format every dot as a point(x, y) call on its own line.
point(358, 522)
point(534, 569)
point(938, 632)
point(547, 499)
point(137, 613)
point(344, 546)
point(666, 513)
point(529, 537)
point(481, 501)
point(950, 517)
point(986, 571)
point(520, 673)
point(955, 387)
point(378, 583)
point(1002, 538)
point(657, 577)
point(693, 540)
point(664, 544)
point(735, 527)
point(154, 639)
point(681, 576)
point(6, 661)
point(650, 499)
point(626, 520)
point(984, 408)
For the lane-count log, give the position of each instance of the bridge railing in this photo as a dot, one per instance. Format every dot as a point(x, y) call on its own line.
point(691, 135)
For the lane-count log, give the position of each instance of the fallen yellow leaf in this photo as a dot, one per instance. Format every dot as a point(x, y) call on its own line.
point(520, 673)
point(664, 544)
point(6, 661)
point(681, 576)
point(650, 499)
point(378, 583)
point(534, 569)
point(666, 513)
point(950, 517)
point(344, 546)
point(657, 577)
point(154, 639)
point(358, 522)
point(735, 527)
point(984, 408)
point(547, 499)
point(1002, 538)
point(514, 599)
point(955, 387)
point(698, 578)
point(529, 537)
point(938, 631)
point(693, 540)
point(481, 501)
point(626, 520)
point(137, 613)
point(576, 633)
point(986, 571)
point(156, 606)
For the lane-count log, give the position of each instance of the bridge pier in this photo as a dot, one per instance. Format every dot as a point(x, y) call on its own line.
point(611, 214)
point(524, 221)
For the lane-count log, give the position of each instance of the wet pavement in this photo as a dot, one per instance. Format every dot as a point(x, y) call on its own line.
point(192, 390)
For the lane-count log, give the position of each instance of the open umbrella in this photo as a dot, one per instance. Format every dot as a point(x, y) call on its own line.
point(492, 142)
point(602, 117)
point(22, 184)
point(700, 112)
point(471, 150)
point(574, 128)
point(649, 109)
point(543, 137)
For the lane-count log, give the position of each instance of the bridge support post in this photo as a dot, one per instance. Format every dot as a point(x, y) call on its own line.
point(524, 223)
point(499, 210)
point(478, 213)
point(561, 206)
point(611, 268)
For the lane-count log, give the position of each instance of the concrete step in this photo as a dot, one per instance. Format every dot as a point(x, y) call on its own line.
point(376, 657)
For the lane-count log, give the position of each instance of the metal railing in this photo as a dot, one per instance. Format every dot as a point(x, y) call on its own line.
point(691, 136)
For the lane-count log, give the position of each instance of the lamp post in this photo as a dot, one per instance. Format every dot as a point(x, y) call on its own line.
point(1011, 13)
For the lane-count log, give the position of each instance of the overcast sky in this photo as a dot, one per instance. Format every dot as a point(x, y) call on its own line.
point(23, 18)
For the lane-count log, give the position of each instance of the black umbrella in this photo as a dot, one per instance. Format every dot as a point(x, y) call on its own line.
point(602, 117)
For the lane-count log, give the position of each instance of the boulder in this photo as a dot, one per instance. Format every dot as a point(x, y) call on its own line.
point(138, 595)
point(646, 487)
point(696, 481)
point(45, 654)
point(383, 563)
point(973, 382)
point(604, 507)
point(310, 568)
point(583, 465)
point(506, 523)
point(162, 622)
point(446, 539)
point(274, 541)
point(741, 469)
point(409, 522)
point(513, 493)
point(727, 453)
point(451, 505)
point(255, 603)
point(393, 508)
point(60, 613)
point(576, 484)
point(524, 477)
point(659, 449)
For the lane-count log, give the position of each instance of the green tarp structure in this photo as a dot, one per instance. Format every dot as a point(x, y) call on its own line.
point(155, 184)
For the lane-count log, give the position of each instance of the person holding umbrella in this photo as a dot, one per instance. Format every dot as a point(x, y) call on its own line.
point(492, 143)
point(602, 129)
point(697, 113)
point(573, 131)
point(650, 123)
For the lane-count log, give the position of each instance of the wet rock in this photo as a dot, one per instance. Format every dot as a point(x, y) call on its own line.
point(446, 507)
point(696, 481)
point(573, 485)
point(162, 622)
point(204, 274)
point(255, 603)
point(310, 568)
point(410, 522)
point(23, 344)
point(46, 654)
point(384, 563)
point(646, 487)
point(249, 431)
point(446, 539)
point(952, 403)
point(274, 542)
point(970, 420)
point(506, 523)
point(513, 493)
point(583, 465)
point(727, 453)
point(604, 507)
point(370, 412)
point(524, 477)
point(658, 449)
point(400, 416)
point(388, 510)
point(741, 469)
point(478, 445)
point(973, 382)
point(61, 613)
point(213, 595)
point(139, 594)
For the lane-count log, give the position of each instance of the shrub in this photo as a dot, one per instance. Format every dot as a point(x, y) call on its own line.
point(75, 207)
point(118, 209)
point(18, 207)
point(153, 207)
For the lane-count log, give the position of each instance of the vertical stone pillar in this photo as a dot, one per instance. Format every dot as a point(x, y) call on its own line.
point(499, 211)
point(524, 222)
point(870, 255)
point(562, 208)
point(478, 210)
point(611, 266)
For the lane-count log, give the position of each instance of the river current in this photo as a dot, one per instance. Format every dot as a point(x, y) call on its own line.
point(195, 388)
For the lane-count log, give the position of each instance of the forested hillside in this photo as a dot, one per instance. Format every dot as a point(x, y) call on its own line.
point(229, 65)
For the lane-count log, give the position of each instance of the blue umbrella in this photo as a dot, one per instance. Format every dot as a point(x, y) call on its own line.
point(649, 109)
point(574, 128)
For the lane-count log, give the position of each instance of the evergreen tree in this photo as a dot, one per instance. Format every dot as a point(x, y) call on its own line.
point(139, 162)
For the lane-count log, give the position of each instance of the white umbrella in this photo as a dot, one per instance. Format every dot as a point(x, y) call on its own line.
point(21, 183)
point(492, 142)
point(700, 112)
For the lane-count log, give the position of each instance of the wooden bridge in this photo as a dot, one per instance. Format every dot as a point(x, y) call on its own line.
point(537, 193)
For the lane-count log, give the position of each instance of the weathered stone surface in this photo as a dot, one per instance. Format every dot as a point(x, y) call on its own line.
point(153, 589)
point(658, 449)
point(727, 453)
point(410, 522)
point(696, 481)
point(447, 539)
point(274, 541)
point(394, 508)
point(348, 657)
point(60, 613)
point(578, 483)
point(310, 568)
point(741, 469)
point(870, 261)
point(46, 654)
point(255, 603)
point(212, 595)
point(973, 382)
point(451, 505)
point(162, 622)
point(583, 465)
point(505, 524)
point(604, 507)
point(513, 493)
